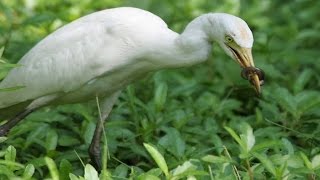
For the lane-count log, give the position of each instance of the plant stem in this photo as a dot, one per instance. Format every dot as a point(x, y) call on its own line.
point(249, 170)
point(235, 170)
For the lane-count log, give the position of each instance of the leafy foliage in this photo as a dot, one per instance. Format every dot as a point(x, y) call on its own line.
point(204, 122)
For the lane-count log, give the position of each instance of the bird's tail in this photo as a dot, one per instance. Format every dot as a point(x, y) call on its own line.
point(9, 112)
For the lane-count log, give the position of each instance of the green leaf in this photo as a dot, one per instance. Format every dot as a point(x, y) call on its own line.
point(65, 168)
point(12, 165)
point(281, 172)
point(10, 154)
point(287, 144)
point(155, 171)
point(89, 131)
point(216, 159)
point(147, 177)
point(2, 139)
point(6, 171)
point(36, 132)
point(285, 99)
point(5, 65)
point(90, 173)
point(39, 18)
point(73, 177)
point(121, 171)
point(66, 140)
point(52, 168)
point(316, 162)
point(247, 137)
point(184, 170)
point(28, 171)
point(158, 158)
point(302, 80)
point(235, 137)
point(307, 34)
point(160, 96)
point(307, 100)
point(173, 142)
point(190, 175)
point(266, 162)
point(51, 140)
point(1, 51)
point(306, 160)
point(267, 144)
point(295, 161)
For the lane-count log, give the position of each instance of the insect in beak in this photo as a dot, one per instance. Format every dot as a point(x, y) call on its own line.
point(255, 77)
point(249, 71)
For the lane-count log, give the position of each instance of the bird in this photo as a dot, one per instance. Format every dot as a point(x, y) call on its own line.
point(101, 53)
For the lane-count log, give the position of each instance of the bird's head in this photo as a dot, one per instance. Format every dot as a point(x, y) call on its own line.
point(235, 37)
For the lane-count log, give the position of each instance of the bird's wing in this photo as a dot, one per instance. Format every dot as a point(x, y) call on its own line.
point(80, 51)
point(63, 61)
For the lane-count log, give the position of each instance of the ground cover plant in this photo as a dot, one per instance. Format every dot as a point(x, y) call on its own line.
point(201, 122)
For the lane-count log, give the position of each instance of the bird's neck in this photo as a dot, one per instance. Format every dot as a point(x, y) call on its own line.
point(191, 47)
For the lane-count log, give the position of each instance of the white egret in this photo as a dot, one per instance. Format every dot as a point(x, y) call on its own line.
point(99, 54)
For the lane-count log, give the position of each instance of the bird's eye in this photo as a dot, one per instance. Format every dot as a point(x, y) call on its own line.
point(228, 39)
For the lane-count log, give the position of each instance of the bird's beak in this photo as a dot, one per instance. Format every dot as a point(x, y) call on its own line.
point(256, 82)
point(244, 57)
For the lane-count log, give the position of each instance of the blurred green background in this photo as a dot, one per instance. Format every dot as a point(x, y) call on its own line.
point(205, 120)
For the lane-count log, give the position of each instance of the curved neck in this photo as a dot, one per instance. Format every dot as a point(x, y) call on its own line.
point(191, 47)
point(194, 41)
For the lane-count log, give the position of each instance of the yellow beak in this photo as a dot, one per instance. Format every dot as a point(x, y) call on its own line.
point(255, 80)
point(254, 75)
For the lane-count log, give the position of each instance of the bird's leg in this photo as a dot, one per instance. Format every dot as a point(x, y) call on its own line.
point(34, 105)
point(94, 149)
point(4, 129)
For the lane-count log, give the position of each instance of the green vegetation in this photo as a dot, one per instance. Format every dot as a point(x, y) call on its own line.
point(202, 122)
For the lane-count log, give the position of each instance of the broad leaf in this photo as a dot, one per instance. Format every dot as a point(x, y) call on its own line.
point(52, 168)
point(173, 142)
point(266, 162)
point(158, 158)
point(90, 173)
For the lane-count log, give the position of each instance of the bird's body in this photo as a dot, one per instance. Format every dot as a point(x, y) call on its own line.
point(99, 54)
point(76, 60)
point(95, 55)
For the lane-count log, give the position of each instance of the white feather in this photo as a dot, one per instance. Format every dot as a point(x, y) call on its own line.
point(101, 53)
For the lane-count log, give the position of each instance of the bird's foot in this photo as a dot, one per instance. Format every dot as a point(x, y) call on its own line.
point(95, 156)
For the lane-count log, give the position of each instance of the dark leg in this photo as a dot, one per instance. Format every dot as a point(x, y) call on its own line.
point(94, 149)
point(4, 129)
point(34, 105)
